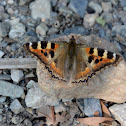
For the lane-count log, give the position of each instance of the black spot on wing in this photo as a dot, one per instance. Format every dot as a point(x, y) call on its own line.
point(51, 53)
point(109, 55)
point(96, 61)
point(90, 58)
point(100, 52)
point(45, 53)
point(91, 50)
point(52, 45)
point(43, 45)
point(41, 51)
point(34, 45)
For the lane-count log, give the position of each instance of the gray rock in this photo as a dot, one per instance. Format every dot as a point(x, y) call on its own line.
point(17, 31)
point(41, 29)
point(10, 1)
point(106, 6)
point(3, 16)
point(14, 47)
point(1, 54)
point(23, 2)
point(5, 77)
point(60, 108)
point(16, 75)
point(107, 17)
point(16, 107)
point(101, 33)
point(52, 31)
point(2, 99)
point(122, 14)
point(14, 21)
point(89, 106)
point(78, 6)
point(114, 2)
point(123, 3)
point(4, 28)
point(16, 119)
point(36, 98)
point(96, 7)
point(31, 83)
point(27, 122)
point(10, 90)
point(1, 8)
point(1, 118)
point(39, 11)
point(119, 112)
point(89, 20)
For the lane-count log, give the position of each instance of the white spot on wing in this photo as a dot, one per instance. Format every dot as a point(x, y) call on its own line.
point(30, 44)
point(114, 54)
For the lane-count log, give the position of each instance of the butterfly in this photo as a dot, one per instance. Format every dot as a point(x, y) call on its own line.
point(71, 62)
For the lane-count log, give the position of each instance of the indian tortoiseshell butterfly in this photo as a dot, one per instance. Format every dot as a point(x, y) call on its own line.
point(71, 62)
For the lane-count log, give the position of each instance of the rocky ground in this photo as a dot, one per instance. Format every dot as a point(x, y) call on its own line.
point(24, 21)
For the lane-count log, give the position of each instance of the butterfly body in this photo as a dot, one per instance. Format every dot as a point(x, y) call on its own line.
point(71, 62)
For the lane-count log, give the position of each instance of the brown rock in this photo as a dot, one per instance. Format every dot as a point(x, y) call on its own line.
point(108, 84)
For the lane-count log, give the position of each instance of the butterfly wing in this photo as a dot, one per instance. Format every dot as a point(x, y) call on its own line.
point(51, 54)
point(91, 60)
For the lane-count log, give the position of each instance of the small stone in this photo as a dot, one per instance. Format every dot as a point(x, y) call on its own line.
point(59, 108)
point(96, 7)
point(17, 119)
point(1, 8)
point(36, 98)
point(89, 106)
point(39, 11)
point(101, 33)
point(41, 29)
point(5, 77)
point(10, 11)
point(16, 107)
point(114, 2)
point(23, 2)
point(10, 1)
point(27, 122)
point(1, 54)
point(119, 112)
point(107, 7)
point(4, 28)
point(52, 31)
point(31, 83)
point(122, 14)
point(14, 21)
point(89, 20)
point(10, 90)
point(1, 111)
point(2, 99)
point(78, 6)
point(3, 16)
point(16, 75)
point(107, 17)
point(17, 31)
point(123, 3)
point(1, 118)
point(14, 47)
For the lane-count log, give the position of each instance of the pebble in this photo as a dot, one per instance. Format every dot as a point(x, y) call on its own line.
point(60, 108)
point(1, 8)
point(39, 11)
point(2, 99)
point(31, 83)
point(1, 54)
point(106, 6)
point(52, 31)
point(3, 16)
point(10, 1)
point(76, 30)
point(10, 11)
point(17, 75)
point(23, 2)
point(123, 3)
point(16, 119)
point(1, 118)
point(97, 7)
point(5, 77)
point(78, 6)
point(27, 122)
point(14, 47)
point(89, 20)
point(41, 29)
point(89, 106)
point(114, 2)
point(14, 21)
point(17, 31)
point(10, 90)
point(36, 98)
point(123, 16)
point(101, 33)
point(4, 28)
point(119, 112)
point(16, 107)
point(107, 17)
